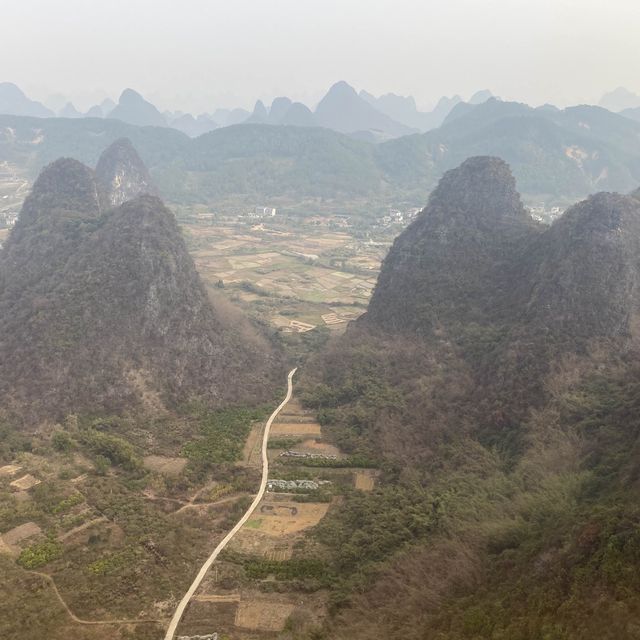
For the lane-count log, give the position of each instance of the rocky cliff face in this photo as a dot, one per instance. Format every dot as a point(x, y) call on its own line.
point(121, 175)
point(102, 308)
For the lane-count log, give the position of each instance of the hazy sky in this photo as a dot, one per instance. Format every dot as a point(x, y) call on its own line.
point(200, 54)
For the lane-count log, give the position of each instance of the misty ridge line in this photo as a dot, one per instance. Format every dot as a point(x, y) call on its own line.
point(342, 109)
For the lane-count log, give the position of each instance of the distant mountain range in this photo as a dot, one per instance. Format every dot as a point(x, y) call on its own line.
point(342, 109)
point(14, 102)
point(403, 108)
point(360, 115)
point(134, 109)
point(570, 152)
point(555, 154)
point(620, 99)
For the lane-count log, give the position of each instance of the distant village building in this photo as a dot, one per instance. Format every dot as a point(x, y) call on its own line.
point(312, 456)
point(540, 213)
point(340, 220)
point(264, 212)
point(396, 216)
point(292, 485)
point(8, 219)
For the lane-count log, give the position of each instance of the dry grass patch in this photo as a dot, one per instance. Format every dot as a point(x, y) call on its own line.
point(263, 615)
point(313, 445)
point(249, 541)
point(364, 479)
point(25, 483)
point(251, 454)
point(296, 429)
point(225, 597)
point(294, 408)
point(282, 518)
point(21, 532)
point(5, 549)
point(9, 470)
point(205, 617)
point(165, 465)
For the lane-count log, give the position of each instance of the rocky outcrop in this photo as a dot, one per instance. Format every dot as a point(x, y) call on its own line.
point(121, 175)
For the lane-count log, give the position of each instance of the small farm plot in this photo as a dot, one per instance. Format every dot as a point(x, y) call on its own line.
point(365, 479)
point(20, 533)
point(277, 518)
point(24, 483)
point(9, 470)
point(164, 465)
point(263, 614)
point(296, 429)
point(256, 543)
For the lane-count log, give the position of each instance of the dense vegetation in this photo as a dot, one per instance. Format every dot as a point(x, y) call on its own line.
point(83, 282)
point(223, 434)
point(495, 372)
point(108, 528)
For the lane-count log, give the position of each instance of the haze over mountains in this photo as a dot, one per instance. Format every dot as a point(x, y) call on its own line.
point(556, 155)
point(490, 392)
point(361, 115)
point(320, 320)
point(14, 101)
point(342, 109)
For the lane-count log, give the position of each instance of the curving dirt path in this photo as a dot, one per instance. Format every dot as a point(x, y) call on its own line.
point(82, 527)
point(77, 620)
point(202, 505)
point(177, 616)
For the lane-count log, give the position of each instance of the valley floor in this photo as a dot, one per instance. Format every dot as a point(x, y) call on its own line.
point(109, 556)
point(255, 591)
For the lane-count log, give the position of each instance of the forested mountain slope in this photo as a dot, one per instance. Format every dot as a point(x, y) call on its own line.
point(102, 307)
point(495, 380)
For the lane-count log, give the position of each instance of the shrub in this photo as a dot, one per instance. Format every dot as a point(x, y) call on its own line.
point(38, 555)
point(62, 441)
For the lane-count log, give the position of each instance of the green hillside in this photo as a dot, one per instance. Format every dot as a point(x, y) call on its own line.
point(555, 155)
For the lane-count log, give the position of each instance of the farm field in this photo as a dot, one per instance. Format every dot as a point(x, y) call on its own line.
point(295, 277)
point(13, 187)
point(292, 274)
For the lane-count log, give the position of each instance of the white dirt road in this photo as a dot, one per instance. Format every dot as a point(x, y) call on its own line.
point(177, 616)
